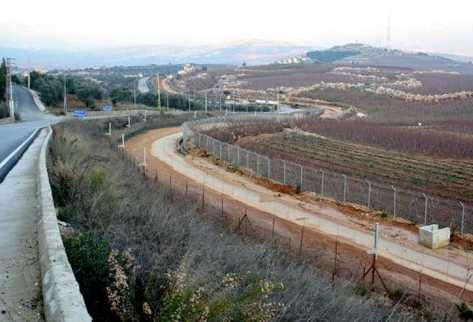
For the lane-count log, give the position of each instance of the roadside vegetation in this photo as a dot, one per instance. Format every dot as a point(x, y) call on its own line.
point(143, 253)
point(3, 77)
point(51, 89)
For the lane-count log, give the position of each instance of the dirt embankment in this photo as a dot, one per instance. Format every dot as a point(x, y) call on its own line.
point(333, 254)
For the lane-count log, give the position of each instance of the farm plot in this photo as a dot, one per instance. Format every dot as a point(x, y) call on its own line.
point(442, 178)
point(447, 140)
point(394, 110)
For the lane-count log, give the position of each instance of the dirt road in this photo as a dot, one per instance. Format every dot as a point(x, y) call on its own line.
point(444, 272)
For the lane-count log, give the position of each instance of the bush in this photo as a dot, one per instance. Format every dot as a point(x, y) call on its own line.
point(88, 254)
point(189, 268)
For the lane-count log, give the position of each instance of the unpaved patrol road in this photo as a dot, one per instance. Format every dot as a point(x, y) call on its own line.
point(440, 274)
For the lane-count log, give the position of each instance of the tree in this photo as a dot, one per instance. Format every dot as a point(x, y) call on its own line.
point(120, 94)
point(3, 79)
point(88, 92)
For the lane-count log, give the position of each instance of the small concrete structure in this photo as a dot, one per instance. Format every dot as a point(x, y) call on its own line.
point(433, 237)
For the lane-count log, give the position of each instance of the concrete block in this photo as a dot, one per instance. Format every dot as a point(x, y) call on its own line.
point(433, 237)
point(62, 299)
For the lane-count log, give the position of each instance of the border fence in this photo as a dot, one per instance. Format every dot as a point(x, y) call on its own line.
point(389, 200)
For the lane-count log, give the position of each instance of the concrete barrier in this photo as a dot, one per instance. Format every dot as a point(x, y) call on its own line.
point(62, 299)
point(37, 100)
point(433, 237)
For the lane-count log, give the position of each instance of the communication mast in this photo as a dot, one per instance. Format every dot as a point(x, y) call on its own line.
point(388, 34)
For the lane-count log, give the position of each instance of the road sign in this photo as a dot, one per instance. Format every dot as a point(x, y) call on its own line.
point(107, 108)
point(80, 114)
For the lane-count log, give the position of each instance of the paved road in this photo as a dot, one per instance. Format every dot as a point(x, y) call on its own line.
point(12, 135)
point(20, 277)
point(143, 85)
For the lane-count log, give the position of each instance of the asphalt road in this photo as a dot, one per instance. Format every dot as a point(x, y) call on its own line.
point(31, 118)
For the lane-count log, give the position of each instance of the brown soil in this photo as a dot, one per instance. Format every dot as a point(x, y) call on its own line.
point(335, 256)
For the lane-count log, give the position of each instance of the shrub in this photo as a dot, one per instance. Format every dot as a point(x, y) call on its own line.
point(88, 254)
point(186, 267)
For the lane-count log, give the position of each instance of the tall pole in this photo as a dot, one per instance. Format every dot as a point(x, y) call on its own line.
point(205, 101)
point(159, 91)
point(9, 88)
point(189, 101)
point(134, 96)
point(220, 101)
point(65, 95)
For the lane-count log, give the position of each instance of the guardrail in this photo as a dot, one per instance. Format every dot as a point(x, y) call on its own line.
point(62, 299)
point(414, 206)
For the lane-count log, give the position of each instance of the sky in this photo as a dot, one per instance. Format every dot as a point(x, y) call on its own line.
point(429, 25)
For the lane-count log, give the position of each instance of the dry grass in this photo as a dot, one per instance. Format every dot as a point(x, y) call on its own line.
point(185, 266)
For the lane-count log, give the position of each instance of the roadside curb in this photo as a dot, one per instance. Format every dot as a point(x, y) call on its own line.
point(7, 120)
point(37, 100)
point(62, 299)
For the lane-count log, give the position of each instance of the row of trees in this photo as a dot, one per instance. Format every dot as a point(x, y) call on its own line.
point(51, 89)
point(3, 86)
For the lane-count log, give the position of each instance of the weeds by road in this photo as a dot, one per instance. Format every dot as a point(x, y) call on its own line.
point(143, 253)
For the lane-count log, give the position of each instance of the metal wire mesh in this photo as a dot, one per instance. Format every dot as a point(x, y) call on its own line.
point(413, 206)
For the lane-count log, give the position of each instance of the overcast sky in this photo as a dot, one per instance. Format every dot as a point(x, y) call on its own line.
point(430, 25)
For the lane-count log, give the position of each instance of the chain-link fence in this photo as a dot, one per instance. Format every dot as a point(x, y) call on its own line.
point(416, 207)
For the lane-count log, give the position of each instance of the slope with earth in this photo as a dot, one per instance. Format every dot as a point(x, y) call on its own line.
point(172, 260)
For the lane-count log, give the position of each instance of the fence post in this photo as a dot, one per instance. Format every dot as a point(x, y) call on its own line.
point(344, 188)
point(369, 194)
point(302, 175)
point(269, 168)
point(462, 226)
point(425, 208)
point(301, 242)
point(284, 171)
point(322, 187)
point(247, 161)
point(238, 156)
point(257, 164)
point(221, 146)
point(144, 158)
point(394, 200)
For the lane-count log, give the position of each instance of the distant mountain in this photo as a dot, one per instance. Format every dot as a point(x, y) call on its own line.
point(252, 52)
point(465, 59)
point(375, 56)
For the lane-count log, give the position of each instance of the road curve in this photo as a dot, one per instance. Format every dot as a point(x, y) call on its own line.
point(31, 118)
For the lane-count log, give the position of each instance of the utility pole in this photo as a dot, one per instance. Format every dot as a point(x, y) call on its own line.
point(206, 102)
point(65, 94)
point(159, 91)
point(9, 88)
point(188, 101)
point(134, 96)
point(29, 79)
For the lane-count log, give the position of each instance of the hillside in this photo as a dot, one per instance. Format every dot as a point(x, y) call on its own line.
point(374, 56)
point(252, 52)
